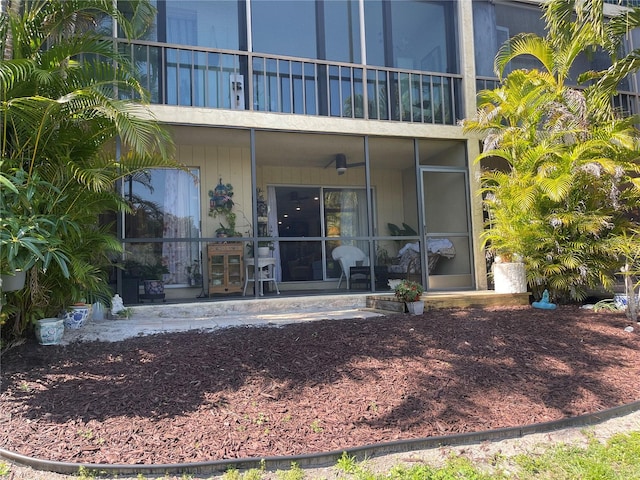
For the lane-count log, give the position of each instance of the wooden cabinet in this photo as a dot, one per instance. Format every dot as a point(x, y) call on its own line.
point(225, 267)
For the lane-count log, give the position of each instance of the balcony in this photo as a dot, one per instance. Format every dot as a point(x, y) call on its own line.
point(210, 78)
point(625, 102)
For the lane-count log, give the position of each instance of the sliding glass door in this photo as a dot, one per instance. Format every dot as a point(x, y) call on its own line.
point(312, 221)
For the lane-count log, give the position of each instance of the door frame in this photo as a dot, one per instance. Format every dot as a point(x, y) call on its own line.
point(422, 170)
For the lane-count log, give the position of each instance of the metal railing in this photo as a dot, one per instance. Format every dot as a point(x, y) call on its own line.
point(626, 102)
point(213, 78)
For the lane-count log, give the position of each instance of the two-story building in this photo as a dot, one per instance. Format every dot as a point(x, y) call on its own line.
point(333, 123)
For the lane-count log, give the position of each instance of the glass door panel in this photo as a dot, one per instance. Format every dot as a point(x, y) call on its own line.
point(235, 273)
point(446, 212)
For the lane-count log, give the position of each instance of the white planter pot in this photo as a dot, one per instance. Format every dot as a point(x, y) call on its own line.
point(264, 251)
point(49, 331)
point(11, 283)
point(415, 308)
point(509, 277)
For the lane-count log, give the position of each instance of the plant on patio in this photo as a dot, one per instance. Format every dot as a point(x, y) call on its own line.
point(409, 291)
point(63, 129)
point(221, 205)
point(562, 173)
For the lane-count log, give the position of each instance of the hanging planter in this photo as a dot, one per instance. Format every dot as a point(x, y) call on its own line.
point(12, 283)
point(220, 199)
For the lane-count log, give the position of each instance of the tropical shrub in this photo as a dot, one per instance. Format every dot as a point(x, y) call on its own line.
point(567, 182)
point(63, 131)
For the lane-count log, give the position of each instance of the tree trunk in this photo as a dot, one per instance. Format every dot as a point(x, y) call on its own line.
point(12, 7)
point(632, 302)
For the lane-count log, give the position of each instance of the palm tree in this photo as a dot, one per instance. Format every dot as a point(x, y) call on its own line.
point(570, 158)
point(63, 127)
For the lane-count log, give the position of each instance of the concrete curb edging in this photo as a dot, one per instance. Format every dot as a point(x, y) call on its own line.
point(324, 459)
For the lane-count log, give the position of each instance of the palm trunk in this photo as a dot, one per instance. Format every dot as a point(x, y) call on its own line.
point(632, 302)
point(12, 8)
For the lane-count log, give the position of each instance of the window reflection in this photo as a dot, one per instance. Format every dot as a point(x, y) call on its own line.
point(411, 35)
point(323, 30)
point(165, 205)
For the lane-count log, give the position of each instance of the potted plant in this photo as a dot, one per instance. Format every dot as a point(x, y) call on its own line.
point(411, 294)
point(194, 274)
point(221, 204)
point(265, 247)
point(26, 237)
point(153, 278)
point(510, 232)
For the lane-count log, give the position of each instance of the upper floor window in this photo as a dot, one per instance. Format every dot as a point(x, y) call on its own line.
point(494, 23)
point(325, 30)
point(211, 23)
point(412, 34)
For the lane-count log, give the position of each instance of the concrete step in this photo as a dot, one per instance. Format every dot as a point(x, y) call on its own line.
point(250, 306)
point(467, 299)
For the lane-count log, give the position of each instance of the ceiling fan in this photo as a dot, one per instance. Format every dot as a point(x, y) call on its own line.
point(341, 163)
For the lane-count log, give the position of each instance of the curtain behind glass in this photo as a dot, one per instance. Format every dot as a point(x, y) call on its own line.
point(272, 222)
point(181, 220)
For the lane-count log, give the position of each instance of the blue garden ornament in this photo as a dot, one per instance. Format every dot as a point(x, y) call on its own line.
point(544, 303)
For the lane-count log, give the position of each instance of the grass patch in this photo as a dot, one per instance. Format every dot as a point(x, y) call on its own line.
point(618, 458)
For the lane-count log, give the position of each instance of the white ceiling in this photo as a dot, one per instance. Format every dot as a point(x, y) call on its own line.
point(317, 150)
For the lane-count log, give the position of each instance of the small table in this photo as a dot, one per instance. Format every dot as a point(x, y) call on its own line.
point(361, 275)
point(266, 273)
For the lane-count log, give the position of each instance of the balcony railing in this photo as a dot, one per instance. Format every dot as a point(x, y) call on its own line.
point(627, 103)
point(212, 78)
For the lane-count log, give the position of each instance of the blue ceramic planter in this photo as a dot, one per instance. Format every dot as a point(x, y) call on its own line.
point(75, 316)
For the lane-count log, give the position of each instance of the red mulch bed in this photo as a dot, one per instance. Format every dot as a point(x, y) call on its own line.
point(311, 387)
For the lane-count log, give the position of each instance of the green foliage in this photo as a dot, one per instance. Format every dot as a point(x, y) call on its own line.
point(62, 124)
point(252, 474)
point(409, 291)
point(347, 463)
point(405, 231)
point(294, 473)
point(563, 175)
point(627, 247)
point(4, 469)
point(618, 458)
point(607, 305)
point(455, 468)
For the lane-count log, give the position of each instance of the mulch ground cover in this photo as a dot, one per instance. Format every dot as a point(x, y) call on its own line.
point(315, 386)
